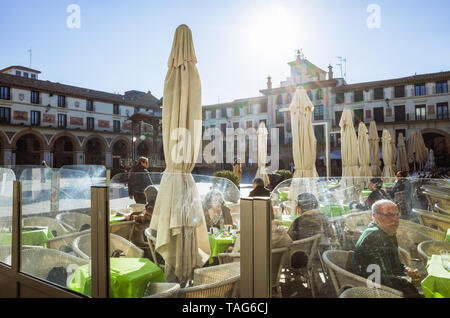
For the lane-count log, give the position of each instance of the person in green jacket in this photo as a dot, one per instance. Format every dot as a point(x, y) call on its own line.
point(377, 248)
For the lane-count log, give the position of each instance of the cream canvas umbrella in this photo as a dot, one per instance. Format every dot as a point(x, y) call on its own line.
point(349, 149)
point(262, 154)
point(388, 172)
point(417, 152)
point(182, 238)
point(402, 159)
point(364, 154)
point(303, 143)
point(393, 149)
point(374, 150)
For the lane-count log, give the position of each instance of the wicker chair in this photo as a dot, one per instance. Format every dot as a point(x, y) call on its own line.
point(409, 239)
point(73, 221)
point(342, 279)
point(123, 229)
point(435, 234)
point(309, 246)
point(82, 246)
point(53, 225)
point(151, 240)
point(162, 290)
point(279, 256)
point(364, 292)
point(5, 254)
point(439, 209)
point(433, 220)
point(64, 242)
point(225, 258)
point(434, 197)
point(428, 248)
point(39, 261)
point(221, 281)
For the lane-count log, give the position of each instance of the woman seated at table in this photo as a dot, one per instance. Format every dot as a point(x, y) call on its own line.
point(216, 213)
point(377, 194)
point(143, 220)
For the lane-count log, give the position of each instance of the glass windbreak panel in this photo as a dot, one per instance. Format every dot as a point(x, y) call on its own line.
point(187, 223)
point(355, 237)
point(55, 215)
point(7, 179)
point(97, 173)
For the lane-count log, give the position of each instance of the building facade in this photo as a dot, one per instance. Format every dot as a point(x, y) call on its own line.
point(403, 105)
point(65, 125)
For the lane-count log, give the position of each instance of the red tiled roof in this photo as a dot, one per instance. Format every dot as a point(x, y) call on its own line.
point(67, 90)
point(20, 68)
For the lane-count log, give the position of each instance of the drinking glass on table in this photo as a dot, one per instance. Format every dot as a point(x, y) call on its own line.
point(445, 258)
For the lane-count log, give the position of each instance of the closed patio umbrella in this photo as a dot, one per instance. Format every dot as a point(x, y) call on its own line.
point(303, 143)
point(374, 150)
point(402, 159)
point(349, 149)
point(262, 154)
point(393, 149)
point(182, 238)
point(417, 152)
point(388, 172)
point(364, 154)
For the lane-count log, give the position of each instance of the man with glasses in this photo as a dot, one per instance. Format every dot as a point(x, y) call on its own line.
point(377, 250)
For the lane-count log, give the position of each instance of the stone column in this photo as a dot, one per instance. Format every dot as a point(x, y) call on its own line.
point(108, 159)
point(7, 157)
point(79, 157)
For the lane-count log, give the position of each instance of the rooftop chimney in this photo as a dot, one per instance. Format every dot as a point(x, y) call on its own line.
point(269, 82)
point(330, 72)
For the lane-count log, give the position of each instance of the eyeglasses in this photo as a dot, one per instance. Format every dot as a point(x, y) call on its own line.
point(389, 215)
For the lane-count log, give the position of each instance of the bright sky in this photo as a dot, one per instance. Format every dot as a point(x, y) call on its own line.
point(124, 45)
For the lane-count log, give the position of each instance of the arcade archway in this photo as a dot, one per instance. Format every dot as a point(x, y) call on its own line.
point(439, 142)
point(28, 150)
point(63, 152)
point(95, 152)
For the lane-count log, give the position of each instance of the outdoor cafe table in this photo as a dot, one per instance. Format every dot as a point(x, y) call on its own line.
point(219, 243)
point(129, 277)
point(437, 283)
point(35, 235)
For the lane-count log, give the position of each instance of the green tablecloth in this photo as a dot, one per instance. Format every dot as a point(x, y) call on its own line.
point(39, 236)
point(128, 277)
point(219, 244)
point(437, 283)
point(116, 219)
point(365, 193)
point(335, 210)
point(283, 196)
point(287, 220)
point(447, 237)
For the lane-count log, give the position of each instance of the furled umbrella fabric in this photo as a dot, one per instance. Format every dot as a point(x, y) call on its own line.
point(262, 154)
point(182, 238)
point(374, 150)
point(364, 154)
point(393, 149)
point(402, 159)
point(303, 143)
point(417, 152)
point(388, 172)
point(349, 149)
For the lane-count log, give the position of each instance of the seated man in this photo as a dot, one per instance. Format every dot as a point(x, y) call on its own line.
point(258, 189)
point(310, 222)
point(378, 246)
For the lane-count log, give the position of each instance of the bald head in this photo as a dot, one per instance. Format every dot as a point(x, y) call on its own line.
point(385, 214)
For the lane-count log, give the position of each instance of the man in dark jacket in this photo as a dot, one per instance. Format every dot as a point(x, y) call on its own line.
point(377, 194)
point(138, 180)
point(402, 195)
point(378, 248)
point(258, 189)
point(310, 222)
